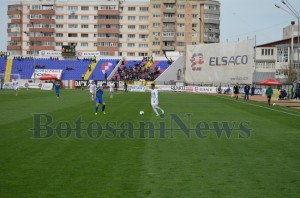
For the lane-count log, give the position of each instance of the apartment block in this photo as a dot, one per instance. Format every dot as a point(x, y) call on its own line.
point(111, 27)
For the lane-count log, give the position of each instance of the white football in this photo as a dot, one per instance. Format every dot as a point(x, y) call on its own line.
point(141, 112)
point(274, 104)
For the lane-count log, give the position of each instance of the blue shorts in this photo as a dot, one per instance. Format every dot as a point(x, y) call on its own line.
point(57, 91)
point(99, 100)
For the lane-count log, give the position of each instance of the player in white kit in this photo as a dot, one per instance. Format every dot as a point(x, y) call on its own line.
point(111, 88)
point(154, 100)
point(92, 88)
point(16, 86)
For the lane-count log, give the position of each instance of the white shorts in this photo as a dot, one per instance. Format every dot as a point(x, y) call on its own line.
point(154, 105)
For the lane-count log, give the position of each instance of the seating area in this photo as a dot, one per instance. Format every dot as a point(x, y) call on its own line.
point(104, 66)
point(136, 70)
point(72, 69)
point(2, 64)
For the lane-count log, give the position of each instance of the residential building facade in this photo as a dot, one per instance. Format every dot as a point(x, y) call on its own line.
point(111, 27)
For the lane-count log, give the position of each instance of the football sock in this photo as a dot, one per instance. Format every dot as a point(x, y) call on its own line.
point(103, 107)
point(97, 109)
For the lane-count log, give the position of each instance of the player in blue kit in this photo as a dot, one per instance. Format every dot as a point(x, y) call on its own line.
point(99, 99)
point(57, 88)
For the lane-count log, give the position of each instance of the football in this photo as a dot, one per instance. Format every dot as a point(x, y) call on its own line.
point(274, 104)
point(141, 112)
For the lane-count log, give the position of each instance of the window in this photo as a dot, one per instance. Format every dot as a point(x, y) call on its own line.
point(181, 16)
point(131, 44)
point(144, 9)
point(267, 52)
point(131, 18)
point(73, 17)
point(143, 18)
point(156, 25)
point(180, 34)
point(212, 16)
point(130, 54)
point(156, 52)
point(84, 44)
point(143, 36)
point(211, 7)
point(179, 43)
point(156, 5)
point(143, 27)
point(194, 7)
point(59, 34)
point(169, 34)
point(155, 43)
point(58, 44)
point(84, 8)
point(72, 35)
point(84, 26)
point(194, 16)
point(131, 27)
point(72, 8)
point(131, 8)
point(180, 6)
point(84, 35)
point(180, 25)
point(156, 33)
point(156, 15)
point(84, 17)
point(168, 15)
point(131, 35)
point(59, 17)
point(73, 25)
point(194, 25)
point(95, 8)
point(59, 26)
point(143, 45)
point(168, 6)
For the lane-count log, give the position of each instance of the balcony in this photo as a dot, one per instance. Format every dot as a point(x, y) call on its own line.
point(169, 20)
point(41, 47)
point(108, 21)
point(169, 38)
point(169, 29)
point(41, 30)
point(15, 20)
point(42, 39)
point(12, 12)
point(47, 21)
point(211, 40)
point(13, 47)
point(169, 10)
point(108, 39)
point(169, 1)
point(15, 38)
point(108, 30)
point(42, 12)
point(168, 48)
point(109, 12)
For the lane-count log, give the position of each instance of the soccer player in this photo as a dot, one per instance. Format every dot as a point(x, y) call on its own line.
point(154, 100)
point(57, 88)
point(99, 99)
point(236, 91)
point(111, 89)
point(269, 93)
point(92, 88)
point(16, 87)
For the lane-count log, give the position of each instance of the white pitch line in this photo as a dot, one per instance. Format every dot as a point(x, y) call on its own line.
point(260, 106)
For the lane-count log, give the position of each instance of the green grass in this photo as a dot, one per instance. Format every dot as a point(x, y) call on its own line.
point(264, 165)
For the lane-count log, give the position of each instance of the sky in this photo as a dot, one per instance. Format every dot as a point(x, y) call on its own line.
point(240, 20)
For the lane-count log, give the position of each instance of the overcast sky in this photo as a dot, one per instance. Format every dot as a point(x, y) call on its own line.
point(240, 19)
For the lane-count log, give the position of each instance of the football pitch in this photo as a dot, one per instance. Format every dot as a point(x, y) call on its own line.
point(204, 146)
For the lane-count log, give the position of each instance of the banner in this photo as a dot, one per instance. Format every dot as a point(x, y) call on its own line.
point(49, 53)
point(41, 72)
point(225, 63)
